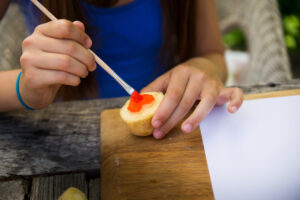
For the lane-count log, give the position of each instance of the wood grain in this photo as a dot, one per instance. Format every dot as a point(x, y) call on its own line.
point(61, 138)
point(65, 136)
point(51, 187)
point(94, 189)
point(13, 190)
point(272, 94)
point(144, 168)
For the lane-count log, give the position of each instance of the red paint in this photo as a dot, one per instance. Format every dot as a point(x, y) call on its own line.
point(136, 96)
point(135, 105)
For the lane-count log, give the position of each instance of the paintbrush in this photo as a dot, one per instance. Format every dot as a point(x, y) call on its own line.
point(134, 94)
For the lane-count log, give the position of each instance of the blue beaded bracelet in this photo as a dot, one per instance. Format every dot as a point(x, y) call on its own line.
point(18, 93)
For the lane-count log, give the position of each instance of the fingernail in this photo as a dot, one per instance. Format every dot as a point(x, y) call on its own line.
point(187, 128)
point(88, 43)
point(233, 109)
point(156, 124)
point(157, 134)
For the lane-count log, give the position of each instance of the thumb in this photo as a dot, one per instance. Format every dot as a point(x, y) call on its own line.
point(80, 25)
point(159, 84)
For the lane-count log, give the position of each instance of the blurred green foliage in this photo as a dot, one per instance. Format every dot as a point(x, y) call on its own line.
point(235, 39)
point(291, 25)
point(290, 12)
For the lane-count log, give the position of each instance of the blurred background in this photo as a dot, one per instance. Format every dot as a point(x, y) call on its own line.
point(236, 43)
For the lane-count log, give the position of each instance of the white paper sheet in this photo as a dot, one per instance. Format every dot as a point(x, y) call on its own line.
point(255, 153)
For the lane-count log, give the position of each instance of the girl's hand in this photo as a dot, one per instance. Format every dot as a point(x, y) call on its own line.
point(55, 54)
point(183, 86)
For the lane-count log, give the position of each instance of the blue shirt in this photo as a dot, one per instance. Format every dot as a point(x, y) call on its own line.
point(128, 38)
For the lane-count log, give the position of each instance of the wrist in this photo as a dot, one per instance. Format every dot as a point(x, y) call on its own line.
point(35, 96)
point(21, 100)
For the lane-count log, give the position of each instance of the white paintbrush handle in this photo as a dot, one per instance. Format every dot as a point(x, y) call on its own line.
point(44, 10)
point(113, 74)
point(98, 60)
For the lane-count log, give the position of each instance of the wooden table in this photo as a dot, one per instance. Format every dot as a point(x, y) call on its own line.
point(44, 152)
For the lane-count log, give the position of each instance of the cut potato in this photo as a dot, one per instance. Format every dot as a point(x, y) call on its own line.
point(139, 123)
point(73, 193)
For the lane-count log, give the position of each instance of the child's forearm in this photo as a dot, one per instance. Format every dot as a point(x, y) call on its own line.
point(8, 95)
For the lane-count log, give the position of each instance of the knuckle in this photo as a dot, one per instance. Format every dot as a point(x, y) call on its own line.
point(214, 83)
point(27, 42)
point(183, 69)
point(211, 97)
point(86, 74)
point(65, 62)
point(38, 28)
point(91, 65)
point(160, 115)
point(200, 76)
point(65, 28)
point(82, 38)
point(193, 120)
point(24, 59)
point(185, 105)
point(196, 118)
point(76, 81)
point(166, 128)
point(240, 95)
point(71, 48)
point(62, 77)
point(83, 73)
point(64, 21)
point(175, 95)
point(91, 60)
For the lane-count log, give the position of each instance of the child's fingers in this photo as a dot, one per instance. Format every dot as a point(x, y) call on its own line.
point(224, 96)
point(67, 47)
point(208, 100)
point(236, 100)
point(52, 61)
point(80, 25)
point(173, 96)
point(64, 29)
point(234, 95)
point(192, 92)
point(37, 78)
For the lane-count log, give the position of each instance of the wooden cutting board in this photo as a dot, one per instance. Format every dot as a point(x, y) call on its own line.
point(142, 168)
